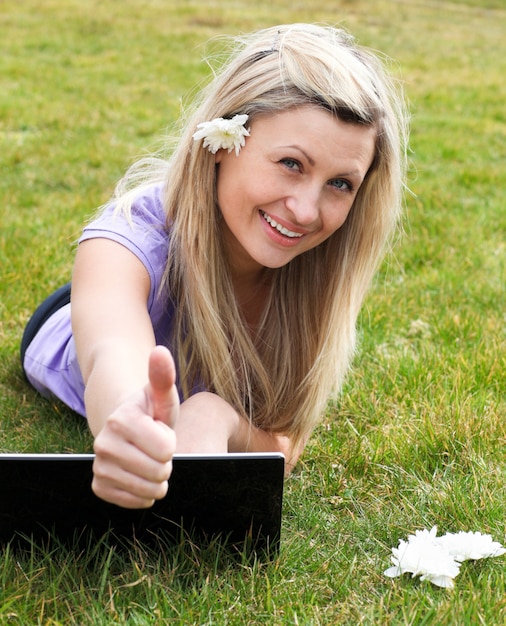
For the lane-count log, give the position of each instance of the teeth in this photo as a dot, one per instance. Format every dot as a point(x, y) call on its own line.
point(279, 228)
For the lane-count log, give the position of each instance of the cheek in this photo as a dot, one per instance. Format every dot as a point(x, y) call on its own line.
point(232, 182)
point(226, 188)
point(335, 219)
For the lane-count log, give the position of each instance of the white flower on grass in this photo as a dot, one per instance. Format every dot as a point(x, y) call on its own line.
point(422, 556)
point(223, 134)
point(471, 545)
point(438, 559)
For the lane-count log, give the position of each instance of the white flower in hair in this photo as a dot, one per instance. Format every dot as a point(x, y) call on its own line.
point(471, 545)
point(223, 134)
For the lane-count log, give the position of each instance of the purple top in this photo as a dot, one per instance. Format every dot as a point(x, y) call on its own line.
point(51, 361)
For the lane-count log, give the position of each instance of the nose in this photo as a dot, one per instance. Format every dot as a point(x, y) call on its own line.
point(304, 204)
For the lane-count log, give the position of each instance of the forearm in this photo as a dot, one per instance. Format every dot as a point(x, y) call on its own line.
point(114, 372)
point(209, 424)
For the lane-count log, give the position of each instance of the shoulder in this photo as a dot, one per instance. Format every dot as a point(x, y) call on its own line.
point(142, 230)
point(147, 205)
point(144, 205)
point(142, 211)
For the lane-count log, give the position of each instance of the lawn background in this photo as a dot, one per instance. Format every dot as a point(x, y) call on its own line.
point(418, 436)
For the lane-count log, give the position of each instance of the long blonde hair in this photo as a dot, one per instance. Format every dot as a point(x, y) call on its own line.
point(282, 380)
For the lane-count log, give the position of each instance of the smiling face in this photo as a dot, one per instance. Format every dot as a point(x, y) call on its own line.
point(291, 186)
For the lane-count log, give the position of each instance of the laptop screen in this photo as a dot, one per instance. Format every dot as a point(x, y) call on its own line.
point(236, 496)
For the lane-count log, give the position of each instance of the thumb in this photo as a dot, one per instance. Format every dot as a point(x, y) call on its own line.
point(162, 390)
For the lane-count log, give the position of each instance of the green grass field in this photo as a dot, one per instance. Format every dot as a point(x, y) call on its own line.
point(417, 438)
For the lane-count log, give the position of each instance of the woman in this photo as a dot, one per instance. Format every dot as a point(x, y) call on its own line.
point(238, 266)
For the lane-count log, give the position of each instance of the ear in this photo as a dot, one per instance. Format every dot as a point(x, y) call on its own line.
point(218, 156)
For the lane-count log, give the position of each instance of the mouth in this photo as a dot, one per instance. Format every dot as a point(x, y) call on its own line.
point(281, 229)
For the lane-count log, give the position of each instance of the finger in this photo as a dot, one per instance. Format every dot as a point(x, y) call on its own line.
point(125, 488)
point(162, 388)
point(144, 450)
point(117, 495)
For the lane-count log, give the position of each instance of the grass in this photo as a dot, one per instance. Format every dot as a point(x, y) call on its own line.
point(418, 436)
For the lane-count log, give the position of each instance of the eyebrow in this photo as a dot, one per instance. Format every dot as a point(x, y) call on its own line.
point(311, 161)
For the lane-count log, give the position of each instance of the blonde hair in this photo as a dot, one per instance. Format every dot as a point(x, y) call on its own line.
point(306, 339)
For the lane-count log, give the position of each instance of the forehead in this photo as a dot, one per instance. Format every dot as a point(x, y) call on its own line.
point(304, 113)
point(316, 130)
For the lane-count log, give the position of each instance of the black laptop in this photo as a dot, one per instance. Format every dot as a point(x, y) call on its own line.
point(237, 497)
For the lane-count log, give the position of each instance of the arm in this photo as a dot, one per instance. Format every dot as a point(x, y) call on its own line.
point(207, 423)
point(130, 397)
point(249, 438)
point(111, 326)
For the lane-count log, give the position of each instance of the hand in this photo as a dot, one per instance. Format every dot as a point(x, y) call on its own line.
point(134, 449)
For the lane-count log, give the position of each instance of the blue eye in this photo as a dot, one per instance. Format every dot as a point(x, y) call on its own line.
point(341, 184)
point(291, 164)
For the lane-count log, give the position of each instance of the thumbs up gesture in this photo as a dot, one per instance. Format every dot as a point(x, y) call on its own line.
point(161, 390)
point(134, 449)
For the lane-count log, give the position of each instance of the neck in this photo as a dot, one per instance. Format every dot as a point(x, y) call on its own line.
point(251, 293)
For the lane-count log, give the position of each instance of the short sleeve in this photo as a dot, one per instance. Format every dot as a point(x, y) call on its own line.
point(145, 234)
